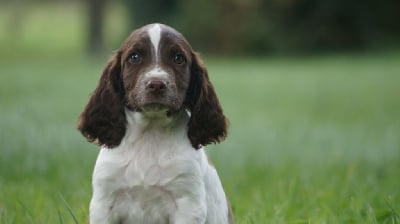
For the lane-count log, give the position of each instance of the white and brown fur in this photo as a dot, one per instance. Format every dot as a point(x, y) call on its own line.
point(152, 112)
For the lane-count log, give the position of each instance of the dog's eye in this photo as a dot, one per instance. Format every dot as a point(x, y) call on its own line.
point(179, 58)
point(135, 57)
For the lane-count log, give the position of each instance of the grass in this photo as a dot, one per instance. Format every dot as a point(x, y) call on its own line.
point(315, 140)
point(312, 140)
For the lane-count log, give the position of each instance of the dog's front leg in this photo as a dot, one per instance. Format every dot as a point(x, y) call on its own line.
point(99, 212)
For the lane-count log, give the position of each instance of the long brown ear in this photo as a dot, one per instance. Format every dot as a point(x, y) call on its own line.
point(103, 120)
point(207, 123)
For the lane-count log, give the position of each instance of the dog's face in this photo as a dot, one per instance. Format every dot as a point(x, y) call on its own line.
point(155, 69)
point(155, 63)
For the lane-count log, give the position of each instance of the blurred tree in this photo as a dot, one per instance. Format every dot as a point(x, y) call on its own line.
point(142, 12)
point(96, 10)
point(198, 21)
point(264, 26)
point(18, 16)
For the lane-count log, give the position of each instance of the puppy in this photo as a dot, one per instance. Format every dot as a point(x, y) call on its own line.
point(152, 112)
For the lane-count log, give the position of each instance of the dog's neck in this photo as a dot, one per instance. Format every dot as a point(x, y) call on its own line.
point(156, 123)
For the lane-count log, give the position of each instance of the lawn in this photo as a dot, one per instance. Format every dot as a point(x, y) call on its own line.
point(312, 139)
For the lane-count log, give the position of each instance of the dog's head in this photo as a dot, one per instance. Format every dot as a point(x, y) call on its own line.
point(155, 69)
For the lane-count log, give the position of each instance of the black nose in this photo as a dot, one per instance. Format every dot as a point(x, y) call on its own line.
point(156, 86)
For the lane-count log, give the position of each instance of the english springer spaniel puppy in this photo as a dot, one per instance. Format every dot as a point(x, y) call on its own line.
point(152, 112)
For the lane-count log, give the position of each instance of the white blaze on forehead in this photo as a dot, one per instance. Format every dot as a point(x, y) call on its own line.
point(155, 35)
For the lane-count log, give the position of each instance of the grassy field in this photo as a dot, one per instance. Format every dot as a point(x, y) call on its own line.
point(312, 140)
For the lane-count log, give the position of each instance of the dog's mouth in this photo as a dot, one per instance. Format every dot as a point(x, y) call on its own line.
point(151, 105)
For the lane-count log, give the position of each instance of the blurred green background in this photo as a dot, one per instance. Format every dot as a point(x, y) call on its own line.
point(311, 88)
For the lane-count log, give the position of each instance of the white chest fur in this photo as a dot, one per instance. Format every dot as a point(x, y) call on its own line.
point(154, 176)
